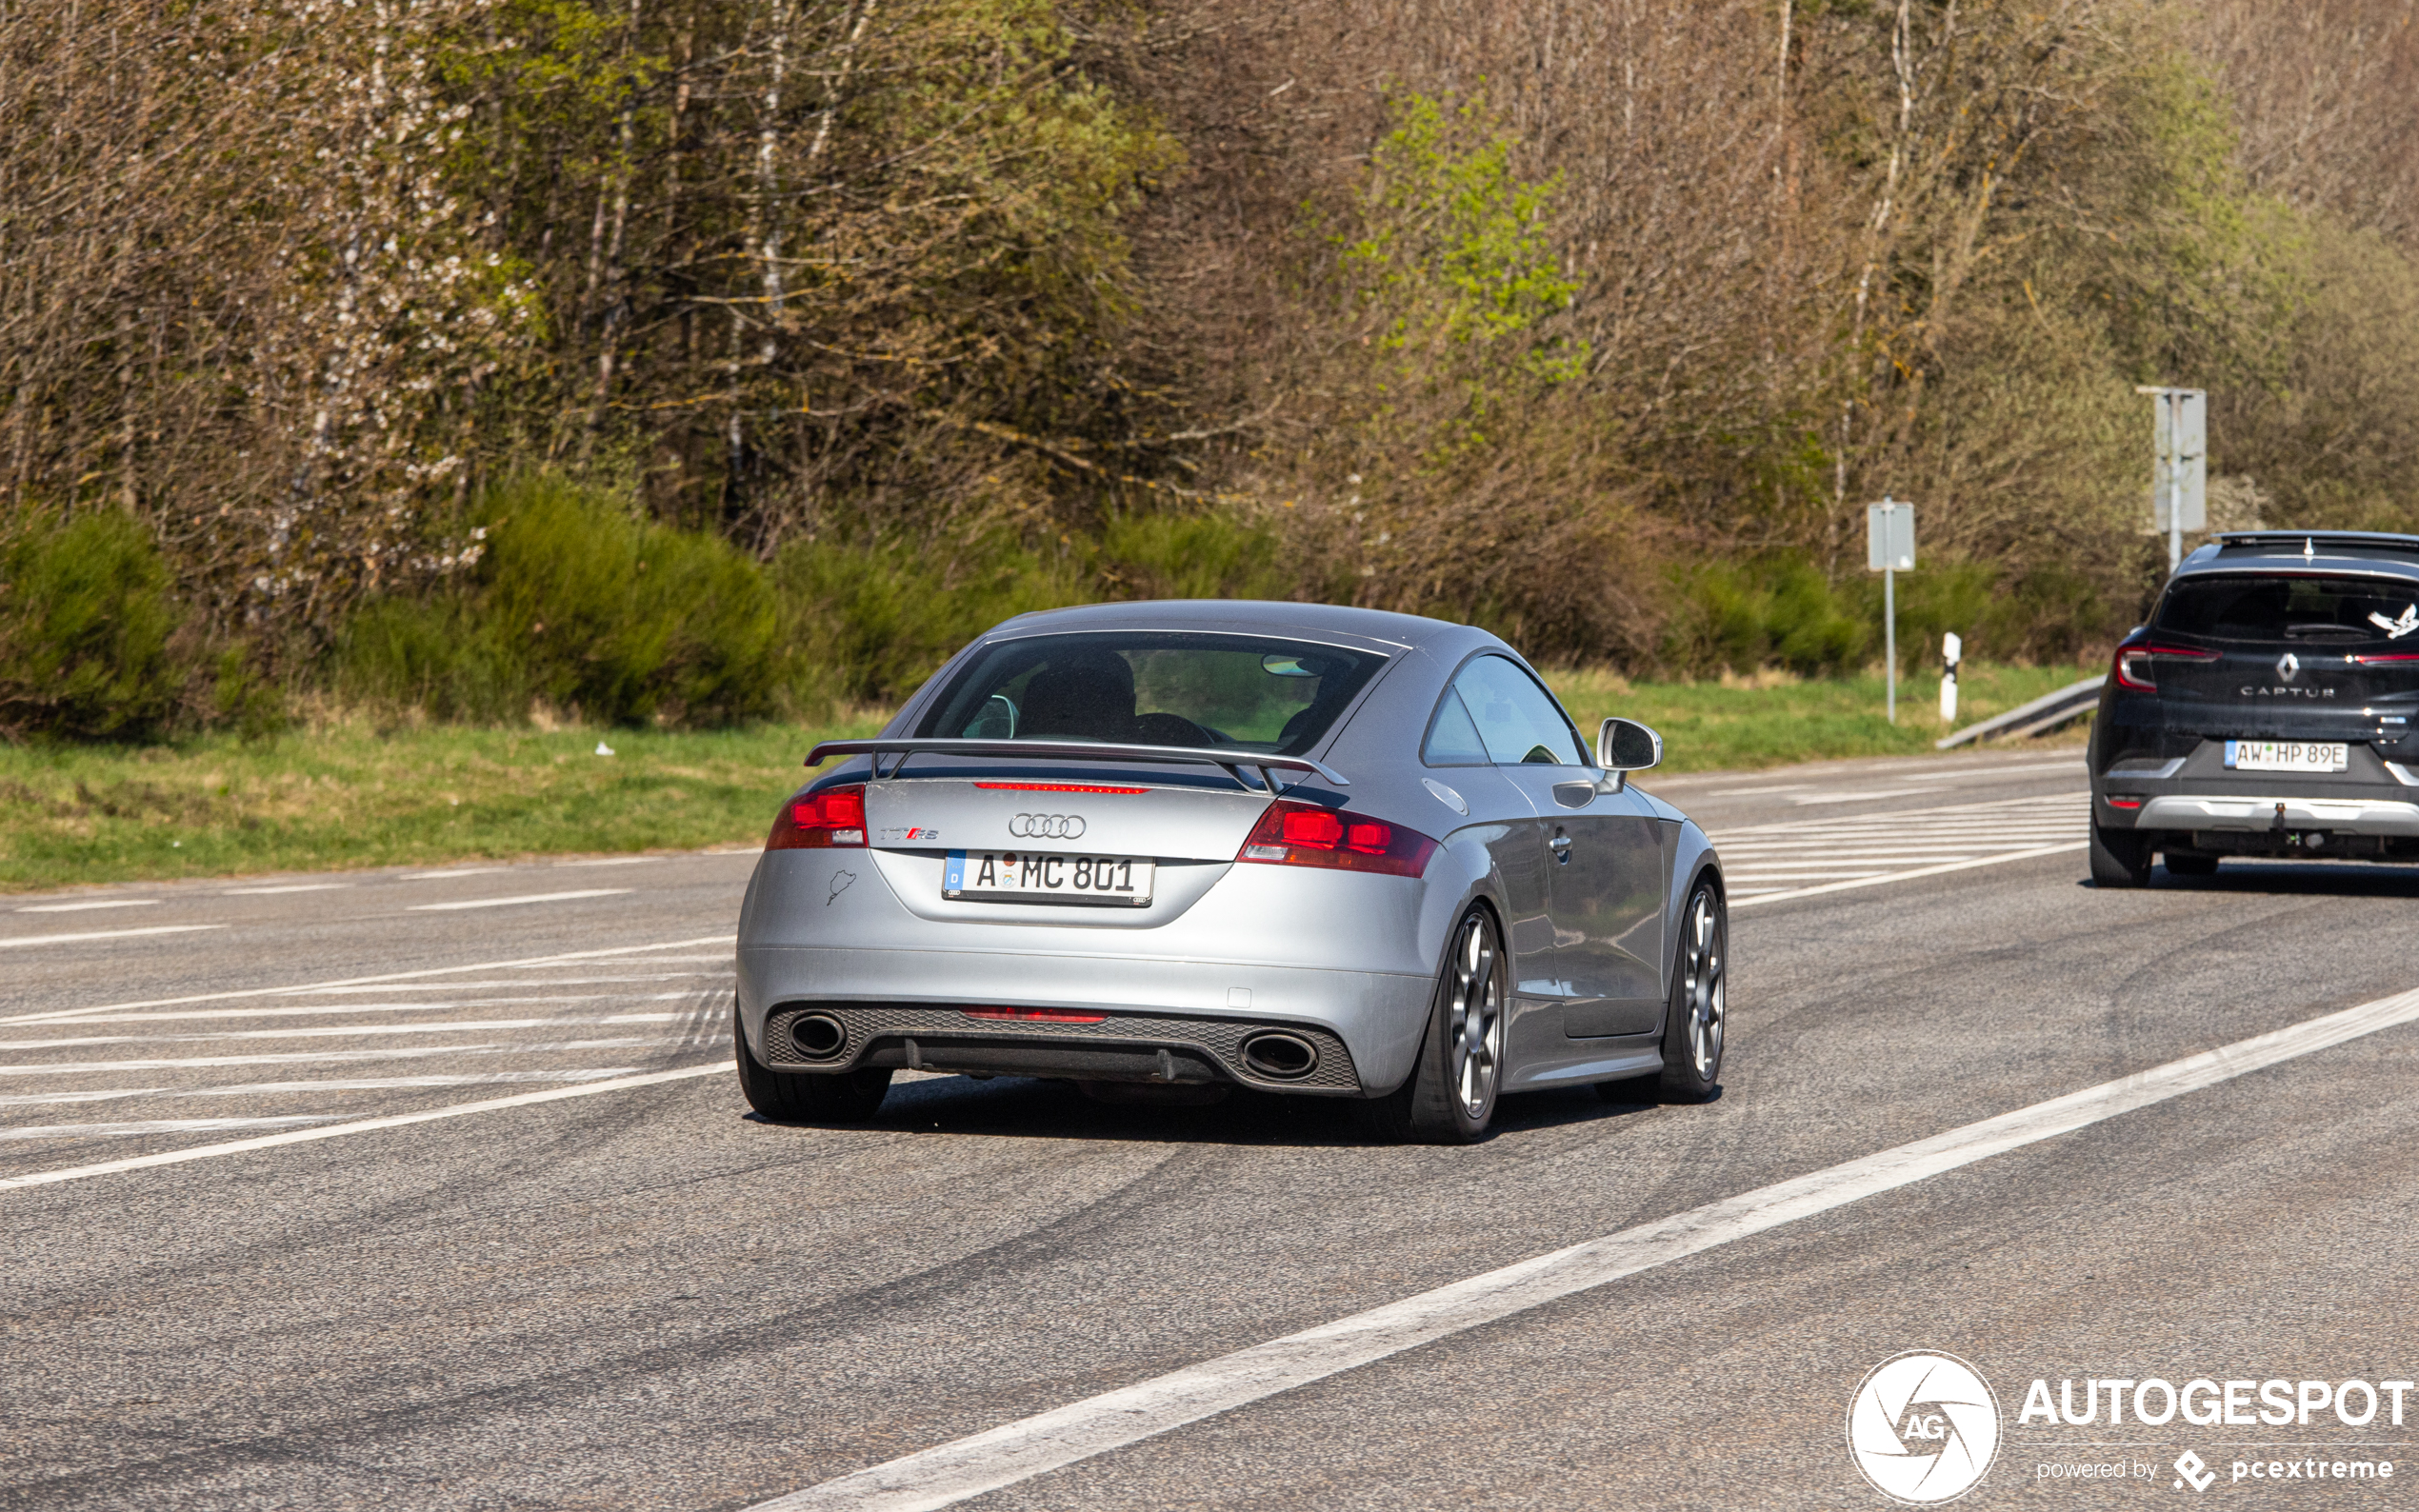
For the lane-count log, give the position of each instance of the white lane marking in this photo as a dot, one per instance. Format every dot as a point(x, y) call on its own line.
point(559, 959)
point(1861, 795)
point(336, 1009)
point(383, 1083)
point(719, 1067)
point(105, 935)
point(1920, 871)
point(30, 1098)
point(506, 903)
point(1013, 1452)
point(97, 903)
point(335, 1057)
point(462, 871)
point(608, 861)
point(324, 1031)
point(1752, 792)
point(518, 987)
point(161, 1126)
point(299, 886)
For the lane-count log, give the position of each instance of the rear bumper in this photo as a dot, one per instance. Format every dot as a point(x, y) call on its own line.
point(2253, 813)
point(1365, 1024)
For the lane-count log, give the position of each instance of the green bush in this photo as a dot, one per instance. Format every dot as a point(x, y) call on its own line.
point(580, 605)
point(86, 611)
point(1742, 616)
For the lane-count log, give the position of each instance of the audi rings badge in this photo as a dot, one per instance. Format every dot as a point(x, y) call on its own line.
point(1046, 826)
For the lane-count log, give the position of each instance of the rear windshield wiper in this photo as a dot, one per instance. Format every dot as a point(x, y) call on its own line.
point(2300, 632)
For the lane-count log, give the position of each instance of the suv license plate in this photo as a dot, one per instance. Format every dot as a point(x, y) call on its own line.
point(1020, 876)
point(2286, 756)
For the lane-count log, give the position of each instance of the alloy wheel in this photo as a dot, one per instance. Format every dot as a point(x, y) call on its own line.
point(1701, 982)
point(1475, 1028)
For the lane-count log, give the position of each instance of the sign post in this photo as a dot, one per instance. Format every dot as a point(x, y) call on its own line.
point(1890, 550)
point(2179, 441)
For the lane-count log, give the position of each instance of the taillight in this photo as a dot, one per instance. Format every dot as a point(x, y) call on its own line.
point(831, 819)
point(2379, 658)
point(1299, 834)
point(2136, 665)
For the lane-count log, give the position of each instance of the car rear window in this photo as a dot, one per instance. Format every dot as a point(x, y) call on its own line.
point(1261, 693)
point(2280, 608)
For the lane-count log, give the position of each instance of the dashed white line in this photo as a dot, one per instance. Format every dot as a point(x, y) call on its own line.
point(330, 1031)
point(162, 1125)
point(561, 957)
point(97, 903)
point(203, 1152)
point(506, 903)
point(335, 1057)
point(105, 935)
point(299, 886)
point(1018, 1451)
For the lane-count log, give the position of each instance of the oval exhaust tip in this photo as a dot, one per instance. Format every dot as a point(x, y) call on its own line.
point(1279, 1056)
point(818, 1035)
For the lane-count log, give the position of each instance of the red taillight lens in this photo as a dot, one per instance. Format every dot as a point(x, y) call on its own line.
point(2125, 803)
point(1299, 834)
point(2381, 657)
point(2136, 665)
point(832, 817)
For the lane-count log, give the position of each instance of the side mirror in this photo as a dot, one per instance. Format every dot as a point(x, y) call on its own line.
point(1623, 746)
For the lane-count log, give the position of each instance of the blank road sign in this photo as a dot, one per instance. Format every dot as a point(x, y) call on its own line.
point(2180, 438)
point(1890, 537)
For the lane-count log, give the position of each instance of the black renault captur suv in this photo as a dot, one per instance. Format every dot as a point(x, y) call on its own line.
point(2268, 709)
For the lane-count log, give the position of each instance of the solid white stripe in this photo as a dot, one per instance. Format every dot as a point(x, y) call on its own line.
point(506, 903)
point(1919, 871)
point(1017, 1451)
point(329, 1057)
point(324, 1031)
point(561, 957)
point(97, 903)
point(203, 1152)
point(105, 934)
point(162, 1125)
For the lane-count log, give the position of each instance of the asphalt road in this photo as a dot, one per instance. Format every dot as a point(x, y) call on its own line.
point(603, 1294)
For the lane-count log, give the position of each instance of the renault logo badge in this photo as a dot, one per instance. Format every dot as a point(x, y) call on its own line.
point(2287, 667)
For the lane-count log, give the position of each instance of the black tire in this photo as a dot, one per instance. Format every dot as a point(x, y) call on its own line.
point(2190, 865)
point(1695, 1021)
point(1450, 1097)
point(2119, 858)
point(806, 1097)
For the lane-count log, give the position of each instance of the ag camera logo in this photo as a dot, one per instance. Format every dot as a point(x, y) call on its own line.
point(1923, 1428)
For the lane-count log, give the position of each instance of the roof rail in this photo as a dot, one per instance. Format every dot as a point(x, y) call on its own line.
point(1266, 766)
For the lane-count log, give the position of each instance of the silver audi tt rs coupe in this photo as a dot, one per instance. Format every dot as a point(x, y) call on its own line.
point(1164, 851)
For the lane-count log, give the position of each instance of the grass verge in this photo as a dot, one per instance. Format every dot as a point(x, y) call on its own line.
point(349, 795)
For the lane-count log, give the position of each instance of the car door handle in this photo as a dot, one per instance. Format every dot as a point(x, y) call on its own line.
point(1561, 845)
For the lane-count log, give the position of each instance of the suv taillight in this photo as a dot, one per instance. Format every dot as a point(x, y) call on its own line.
point(2136, 665)
point(831, 819)
point(1299, 834)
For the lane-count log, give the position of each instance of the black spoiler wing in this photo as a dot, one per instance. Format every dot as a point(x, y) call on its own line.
point(1236, 761)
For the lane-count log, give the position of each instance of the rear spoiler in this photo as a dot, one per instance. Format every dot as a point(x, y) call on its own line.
point(1076, 750)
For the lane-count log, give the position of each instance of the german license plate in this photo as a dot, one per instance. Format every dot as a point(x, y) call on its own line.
point(1023, 876)
point(2286, 755)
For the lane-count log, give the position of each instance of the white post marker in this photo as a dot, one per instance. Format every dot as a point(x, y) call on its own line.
point(2179, 447)
point(1890, 550)
point(1952, 650)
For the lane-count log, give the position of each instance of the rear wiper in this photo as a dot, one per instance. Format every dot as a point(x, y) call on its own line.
point(2305, 631)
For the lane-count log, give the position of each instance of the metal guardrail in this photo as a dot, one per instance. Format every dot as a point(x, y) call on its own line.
point(2043, 714)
